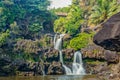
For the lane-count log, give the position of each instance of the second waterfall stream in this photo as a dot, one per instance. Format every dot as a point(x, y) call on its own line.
point(77, 65)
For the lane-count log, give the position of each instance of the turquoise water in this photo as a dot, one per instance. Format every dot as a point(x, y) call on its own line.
point(63, 77)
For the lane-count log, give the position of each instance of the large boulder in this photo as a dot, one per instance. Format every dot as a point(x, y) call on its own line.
point(109, 36)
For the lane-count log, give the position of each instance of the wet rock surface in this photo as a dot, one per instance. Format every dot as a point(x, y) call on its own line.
point(111, 57)
point(109, 36)
point(55, 69)
point(68, 54)
point(108, 68)
point(101, 62)
point(53, 55)
point(93, 51)
point(98, 53)
point(19, 67)
point(50, 55)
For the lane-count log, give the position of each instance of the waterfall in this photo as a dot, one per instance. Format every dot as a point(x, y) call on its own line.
point(58, 43)
point(67, 70)
point(77, 66)
point(55, 37)
point(61, 57)
point(58, 46)
point(42, 67)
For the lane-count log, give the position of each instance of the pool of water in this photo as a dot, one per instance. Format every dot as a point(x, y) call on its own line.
point(52, 77)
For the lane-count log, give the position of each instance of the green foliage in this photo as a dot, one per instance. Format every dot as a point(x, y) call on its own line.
point(29, 15)
point(64, 9)
point(80, 41)
point(86, 13)
point(65, 44)
point(72, 23)
point(45, 41)
point(3, 37)
point(75, 2)
point(28, 46)
point(59, 25)
point(102, 10)
point(74, 20)
point(35, 27)
point(21, 22)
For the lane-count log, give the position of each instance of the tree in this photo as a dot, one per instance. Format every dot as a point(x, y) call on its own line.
point(72, 23)
point(74, 20)
point(59, 25)
point(102, 10)
point(22, 20)
point(26, 13)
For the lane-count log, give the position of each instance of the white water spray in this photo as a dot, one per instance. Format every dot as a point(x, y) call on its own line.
point(77, 66)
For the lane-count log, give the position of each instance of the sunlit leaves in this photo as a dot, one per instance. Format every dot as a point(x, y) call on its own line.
point(103, 10)
point(80, 41)
point(72, 23)
point(74, 20)
point(59, 25)
point(3, 37)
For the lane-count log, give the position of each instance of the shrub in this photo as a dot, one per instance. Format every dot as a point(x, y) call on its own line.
point(80, 41)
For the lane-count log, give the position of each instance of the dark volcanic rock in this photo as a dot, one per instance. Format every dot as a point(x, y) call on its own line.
point(98, 53)
point(68, 54)
point(19, 67)
point(51, 55)
point(5, 67)
point(55, 69)
point(111, 57)
point(93, 51)
point(109, 36)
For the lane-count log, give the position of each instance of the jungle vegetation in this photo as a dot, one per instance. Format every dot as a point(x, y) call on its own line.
point(22, 24)
point(84, 14)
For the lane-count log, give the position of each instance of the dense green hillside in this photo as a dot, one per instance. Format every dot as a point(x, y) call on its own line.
point(27, 28)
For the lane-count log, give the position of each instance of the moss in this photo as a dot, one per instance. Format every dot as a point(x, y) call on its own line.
point(118, 52)
point(95, 51)
point(93, 61)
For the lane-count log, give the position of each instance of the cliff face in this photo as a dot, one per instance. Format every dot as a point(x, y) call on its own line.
point(109, 36)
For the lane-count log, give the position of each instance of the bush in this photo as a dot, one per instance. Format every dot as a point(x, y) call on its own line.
point(80, 41)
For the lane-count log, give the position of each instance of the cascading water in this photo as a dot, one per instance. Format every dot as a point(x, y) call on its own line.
point(55, 37)
point(77, 66)
point(58, 46)
point(61, 57)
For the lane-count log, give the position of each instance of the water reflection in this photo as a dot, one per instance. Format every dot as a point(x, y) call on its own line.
point(63, 77)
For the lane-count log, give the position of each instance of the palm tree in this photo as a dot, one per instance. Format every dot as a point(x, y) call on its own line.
point(102, 10)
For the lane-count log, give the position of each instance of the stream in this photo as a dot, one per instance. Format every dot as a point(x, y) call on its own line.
point(52, 77)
